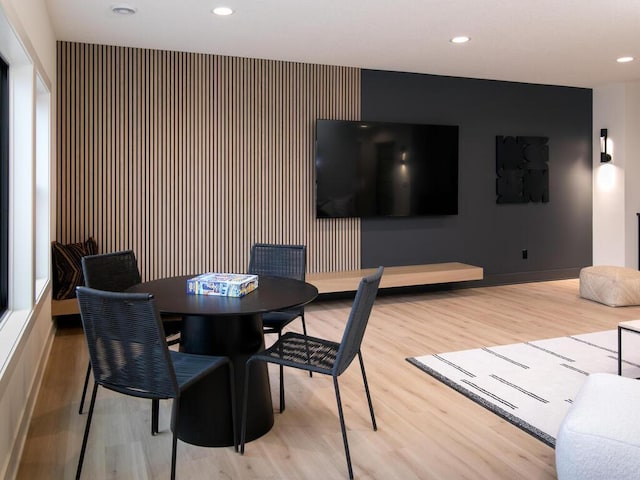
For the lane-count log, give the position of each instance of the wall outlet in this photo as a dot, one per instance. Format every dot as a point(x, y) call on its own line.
point(525, 254)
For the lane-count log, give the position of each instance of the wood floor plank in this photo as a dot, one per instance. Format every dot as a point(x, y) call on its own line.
point(426, 429)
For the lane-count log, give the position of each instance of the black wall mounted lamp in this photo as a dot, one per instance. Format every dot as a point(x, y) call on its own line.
point(604, 156)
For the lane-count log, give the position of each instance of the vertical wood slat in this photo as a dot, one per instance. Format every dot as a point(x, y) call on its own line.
point(188, 159)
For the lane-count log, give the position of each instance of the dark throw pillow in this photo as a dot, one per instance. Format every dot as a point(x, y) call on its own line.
point(67, 266)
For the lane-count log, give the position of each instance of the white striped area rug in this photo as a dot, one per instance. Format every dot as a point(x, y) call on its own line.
point(533, 384)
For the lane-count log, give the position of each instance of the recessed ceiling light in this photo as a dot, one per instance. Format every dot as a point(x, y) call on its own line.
point(460, 39)
point(624, 59)
point(123, 9)
point(222, 11)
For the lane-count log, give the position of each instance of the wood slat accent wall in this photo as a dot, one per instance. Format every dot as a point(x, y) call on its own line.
point(188, 159)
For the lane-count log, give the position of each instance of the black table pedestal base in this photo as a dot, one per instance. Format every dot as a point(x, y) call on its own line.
point(205, 412)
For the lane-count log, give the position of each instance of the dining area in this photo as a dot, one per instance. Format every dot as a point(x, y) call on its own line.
point(426, 430)
point(207, 353)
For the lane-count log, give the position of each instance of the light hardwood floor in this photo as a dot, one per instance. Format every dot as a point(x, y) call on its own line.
point(425, 429)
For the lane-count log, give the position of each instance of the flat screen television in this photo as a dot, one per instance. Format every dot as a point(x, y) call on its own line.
point(381, 169)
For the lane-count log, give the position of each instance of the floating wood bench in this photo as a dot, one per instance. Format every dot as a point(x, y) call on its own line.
point(347, 281)
point(406, 276)
point(65, 307)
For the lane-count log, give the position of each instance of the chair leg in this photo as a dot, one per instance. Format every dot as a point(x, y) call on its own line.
point(84, 389)
point(234, 422)
point(86, 431)
point(304, 331)
point(281, 389)
point(155, 414)
point(243, 429)
point(342, 427)
point(366, 389)
point(174, 439)
point(282, 404)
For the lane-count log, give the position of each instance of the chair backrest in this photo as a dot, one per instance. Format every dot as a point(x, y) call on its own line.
point(288, 261)
point(358, 319)
point(126, 342)
point(114, 272)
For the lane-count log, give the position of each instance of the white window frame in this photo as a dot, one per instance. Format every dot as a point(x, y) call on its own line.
point(30, 113)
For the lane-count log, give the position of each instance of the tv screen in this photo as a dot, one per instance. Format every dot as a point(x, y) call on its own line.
point(370, 169)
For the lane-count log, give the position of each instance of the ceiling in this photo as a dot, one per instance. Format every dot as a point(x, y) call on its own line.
point(555, 42)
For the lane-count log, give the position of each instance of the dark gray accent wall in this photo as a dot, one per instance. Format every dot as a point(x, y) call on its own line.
point(557, 234)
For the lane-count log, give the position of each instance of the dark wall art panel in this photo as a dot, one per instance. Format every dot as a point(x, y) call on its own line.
point(556, 234)
point(522, 169)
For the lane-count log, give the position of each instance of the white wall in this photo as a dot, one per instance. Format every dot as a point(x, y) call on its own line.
point(30, 20)
point(26, 335)
point(616, 197)
point(632, 173)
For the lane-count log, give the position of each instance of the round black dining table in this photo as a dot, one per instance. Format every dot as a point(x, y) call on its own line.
point(229, 326)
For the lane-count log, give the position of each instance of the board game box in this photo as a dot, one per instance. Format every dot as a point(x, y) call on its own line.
point(223, 284)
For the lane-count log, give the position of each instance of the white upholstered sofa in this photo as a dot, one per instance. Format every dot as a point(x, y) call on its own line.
point(600, 436)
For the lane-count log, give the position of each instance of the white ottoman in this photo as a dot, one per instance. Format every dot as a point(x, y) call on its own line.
point(600, 436)
point(613, 286)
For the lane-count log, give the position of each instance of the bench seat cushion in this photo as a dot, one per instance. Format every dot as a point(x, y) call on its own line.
point(613, 286)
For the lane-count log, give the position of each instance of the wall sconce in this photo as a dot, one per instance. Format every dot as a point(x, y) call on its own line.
point(604, 156)
point(403, 156)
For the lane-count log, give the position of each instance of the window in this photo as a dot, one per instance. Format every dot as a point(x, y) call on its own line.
point(4, 185)
point(42, 189)
point(25, 153)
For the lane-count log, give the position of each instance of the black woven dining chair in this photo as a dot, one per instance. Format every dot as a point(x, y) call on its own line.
point(129, 354)
point(116, 272)
point(324, 356)
point(276, 260)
